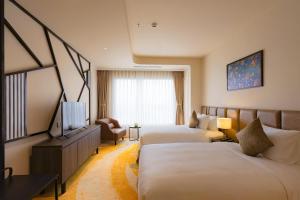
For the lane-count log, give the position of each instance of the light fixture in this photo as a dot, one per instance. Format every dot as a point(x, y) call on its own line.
point(105, 48)
point(224, 123)
point(154, 24)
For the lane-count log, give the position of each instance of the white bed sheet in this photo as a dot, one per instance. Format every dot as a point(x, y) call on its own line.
point(176, 133)
point(213, 171)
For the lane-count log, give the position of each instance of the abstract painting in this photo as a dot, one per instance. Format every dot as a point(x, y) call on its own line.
point(246, 72)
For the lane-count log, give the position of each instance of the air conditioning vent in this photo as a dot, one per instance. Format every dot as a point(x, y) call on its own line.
point(147, 66)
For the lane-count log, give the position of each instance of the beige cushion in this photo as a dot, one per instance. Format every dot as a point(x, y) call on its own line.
point(253, 139)
point(119, 131)
point(111, 125)
point(193, 120)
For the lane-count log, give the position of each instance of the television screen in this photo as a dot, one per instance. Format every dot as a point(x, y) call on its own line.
point(73, 115)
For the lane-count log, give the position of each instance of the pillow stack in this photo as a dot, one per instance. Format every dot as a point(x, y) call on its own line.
point(275, 144)
point(193, 120)
point(286, 147)
point(204, 122)
point(253, 140)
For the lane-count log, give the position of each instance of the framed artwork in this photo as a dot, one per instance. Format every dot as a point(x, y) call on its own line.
point(246, 72)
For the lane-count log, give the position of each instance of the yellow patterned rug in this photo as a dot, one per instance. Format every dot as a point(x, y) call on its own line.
point(109, 175)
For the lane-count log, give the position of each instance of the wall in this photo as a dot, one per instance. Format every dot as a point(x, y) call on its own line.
point(277, 33)
point(43, 88)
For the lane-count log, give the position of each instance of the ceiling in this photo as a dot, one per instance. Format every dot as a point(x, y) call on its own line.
point(106, 31)
point(187, 28)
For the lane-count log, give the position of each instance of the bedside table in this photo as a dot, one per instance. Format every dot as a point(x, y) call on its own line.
point(224, 139)
point(138, 132)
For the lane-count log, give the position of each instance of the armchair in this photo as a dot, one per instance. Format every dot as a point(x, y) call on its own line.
point(111, 129)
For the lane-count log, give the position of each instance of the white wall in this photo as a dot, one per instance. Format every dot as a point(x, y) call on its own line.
point(277, 32)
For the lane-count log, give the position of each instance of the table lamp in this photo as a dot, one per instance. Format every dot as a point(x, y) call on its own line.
point(224, 123)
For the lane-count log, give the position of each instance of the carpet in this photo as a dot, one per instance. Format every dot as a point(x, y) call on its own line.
point(109, 175)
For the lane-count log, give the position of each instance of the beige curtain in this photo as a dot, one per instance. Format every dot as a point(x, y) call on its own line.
point(102, 92)
point(179, 92)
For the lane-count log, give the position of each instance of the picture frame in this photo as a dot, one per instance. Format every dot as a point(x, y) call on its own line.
point(246, 72)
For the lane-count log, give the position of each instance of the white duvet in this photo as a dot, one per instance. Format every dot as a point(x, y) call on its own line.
point(174, 134)
point(213, 171)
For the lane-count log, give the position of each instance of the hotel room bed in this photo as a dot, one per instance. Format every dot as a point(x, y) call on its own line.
point(213, 171)
point(220, 170)
point(174, 134)
point(182, 133)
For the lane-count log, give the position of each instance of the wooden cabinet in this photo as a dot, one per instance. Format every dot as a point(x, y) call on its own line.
point(84, 149)
point(63, 155)
point(69, 161)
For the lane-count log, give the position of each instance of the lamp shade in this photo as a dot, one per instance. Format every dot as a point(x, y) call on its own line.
point(224, 123)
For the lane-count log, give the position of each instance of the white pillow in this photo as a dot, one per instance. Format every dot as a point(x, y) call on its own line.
point(212, 125)
point(286, 147)
point(203, 122)
point(199, 115)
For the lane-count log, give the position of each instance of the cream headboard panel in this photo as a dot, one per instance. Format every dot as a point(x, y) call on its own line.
point(212, 111)
point(289, 120)
point(270, 118)
point(246, 117)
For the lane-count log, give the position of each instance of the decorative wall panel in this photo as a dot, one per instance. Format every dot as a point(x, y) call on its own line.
point(15, 106)
point(46, 70)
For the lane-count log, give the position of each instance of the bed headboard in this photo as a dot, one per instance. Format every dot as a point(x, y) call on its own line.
point(246, 117)
point(234, 114)
point(204, 109)
point(212, 111)
point(222, 112)
point(270, 118)
point(288, 120)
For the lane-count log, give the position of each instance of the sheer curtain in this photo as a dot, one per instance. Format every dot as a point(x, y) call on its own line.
point(142, 97)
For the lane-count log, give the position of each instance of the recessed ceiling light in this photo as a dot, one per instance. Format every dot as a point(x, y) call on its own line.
point(139, 25)
point(105, 49)
point(154, 24)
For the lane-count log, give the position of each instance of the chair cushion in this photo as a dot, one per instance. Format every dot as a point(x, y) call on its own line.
point(111, 125)
point(119, 130)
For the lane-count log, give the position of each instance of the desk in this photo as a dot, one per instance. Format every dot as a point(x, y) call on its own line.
point(25, 187)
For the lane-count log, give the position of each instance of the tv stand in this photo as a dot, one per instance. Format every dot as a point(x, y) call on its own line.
point(64, 155)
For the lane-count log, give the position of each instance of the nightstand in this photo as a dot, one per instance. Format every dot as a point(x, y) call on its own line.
point(224, 139)
point(138, 132)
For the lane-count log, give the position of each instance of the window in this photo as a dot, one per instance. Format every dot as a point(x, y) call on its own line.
point(143, 97)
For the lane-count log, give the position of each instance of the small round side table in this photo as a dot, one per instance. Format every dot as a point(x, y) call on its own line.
point(138, 132)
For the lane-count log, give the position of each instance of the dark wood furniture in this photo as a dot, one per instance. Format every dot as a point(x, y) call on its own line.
point(224, 139)
point(137, 130)
point(2, 93)
point(26, 187)
point(65, 155)
point(111, 129)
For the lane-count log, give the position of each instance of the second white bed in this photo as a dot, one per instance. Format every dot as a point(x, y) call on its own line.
point(213, 171)
point(176, 134)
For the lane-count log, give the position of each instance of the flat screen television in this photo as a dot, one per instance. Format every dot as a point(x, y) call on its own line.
point(72, 116)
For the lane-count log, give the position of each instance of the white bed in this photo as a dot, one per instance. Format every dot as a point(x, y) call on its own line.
point(176, 133)
point(213, 171)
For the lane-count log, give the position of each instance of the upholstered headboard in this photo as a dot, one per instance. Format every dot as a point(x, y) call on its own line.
point(204, 109)
point(234, 114)
point(221, 112)
point(212, 111)
point(246, 117)
point(289, 120)
point(270, 118)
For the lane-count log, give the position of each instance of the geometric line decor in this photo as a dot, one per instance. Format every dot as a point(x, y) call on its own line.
point(18, 130)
